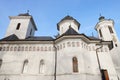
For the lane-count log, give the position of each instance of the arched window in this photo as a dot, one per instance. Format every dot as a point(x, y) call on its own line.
point(75, 64)
point(0, 63)
point(110, 29)
point(41, 66)
point(100, 33)
point(18, 26)
point(25, 66)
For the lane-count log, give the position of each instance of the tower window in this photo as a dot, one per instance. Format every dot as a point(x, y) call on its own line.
point(0, 63)
point(75, 64)
point(30, 31)
point(116, 45)
point(110, 29)
point(100, 33)
point(18, 26)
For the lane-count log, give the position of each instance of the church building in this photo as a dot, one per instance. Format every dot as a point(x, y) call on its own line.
point(69, 56)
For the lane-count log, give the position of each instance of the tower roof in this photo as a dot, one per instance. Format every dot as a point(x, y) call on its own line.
point(70, 31)
point(11, 37)
point(68, 18)
point(101, 18)
point(24, 14)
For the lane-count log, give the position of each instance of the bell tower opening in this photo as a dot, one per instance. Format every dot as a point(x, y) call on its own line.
point(18, 26)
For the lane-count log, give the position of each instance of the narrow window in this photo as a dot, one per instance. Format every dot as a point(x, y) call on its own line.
point(104, 75)
point(18, 26)
point(116, 45)
point(0, 63)
point(100, 33)
point(41, 66)
point(25, 66)
point(30, 31)
point(75, 64)
point(110, 29)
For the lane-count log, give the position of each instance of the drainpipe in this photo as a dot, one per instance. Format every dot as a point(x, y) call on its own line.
point(55, 60)
point(98, 58)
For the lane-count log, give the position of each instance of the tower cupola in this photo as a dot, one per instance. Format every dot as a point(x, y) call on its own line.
point(22, 26)
point(66, 22)
point(101, 18)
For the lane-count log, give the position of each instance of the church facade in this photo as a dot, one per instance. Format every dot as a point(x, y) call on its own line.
point(69, 56)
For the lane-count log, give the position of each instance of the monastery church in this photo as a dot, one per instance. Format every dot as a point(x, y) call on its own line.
point(69, 56)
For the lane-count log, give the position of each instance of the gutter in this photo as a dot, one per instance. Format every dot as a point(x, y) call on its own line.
point(55, 60)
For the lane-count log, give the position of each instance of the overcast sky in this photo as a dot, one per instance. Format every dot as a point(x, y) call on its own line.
point(47, 13)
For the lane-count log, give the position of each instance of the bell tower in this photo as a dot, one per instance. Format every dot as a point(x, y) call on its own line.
point(106, 31)
point(22, 26)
